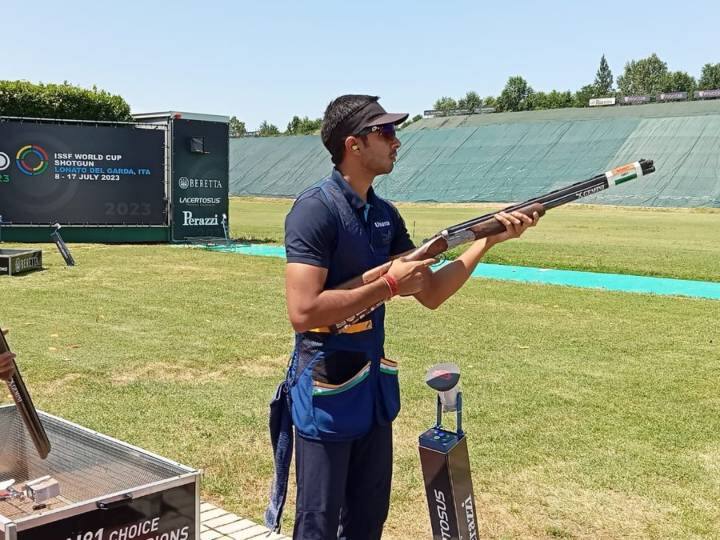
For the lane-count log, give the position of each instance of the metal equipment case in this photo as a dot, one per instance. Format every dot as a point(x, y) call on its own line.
point(109, 490)
point(16, 261)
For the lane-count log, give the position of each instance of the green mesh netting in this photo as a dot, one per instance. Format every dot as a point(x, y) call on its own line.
point(515, 156)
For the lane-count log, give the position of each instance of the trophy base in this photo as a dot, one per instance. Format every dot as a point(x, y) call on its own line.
point(448, 484)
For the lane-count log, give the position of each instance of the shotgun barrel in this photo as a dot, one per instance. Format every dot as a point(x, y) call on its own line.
point(25, 406)
point(486, 225)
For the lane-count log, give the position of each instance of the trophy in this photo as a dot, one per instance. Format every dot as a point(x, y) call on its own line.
point(445, 462)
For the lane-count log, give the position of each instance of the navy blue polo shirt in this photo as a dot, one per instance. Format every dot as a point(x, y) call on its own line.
point(311, 227)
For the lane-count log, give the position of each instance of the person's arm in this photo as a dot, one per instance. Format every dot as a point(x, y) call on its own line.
point(442, 284)
point(310, 240)
point(310, 305)
point(6, 365)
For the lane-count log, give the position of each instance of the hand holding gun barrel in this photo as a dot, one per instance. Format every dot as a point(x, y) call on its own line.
point(495, 223)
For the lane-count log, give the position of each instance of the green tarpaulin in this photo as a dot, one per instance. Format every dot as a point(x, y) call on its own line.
point(514, 156)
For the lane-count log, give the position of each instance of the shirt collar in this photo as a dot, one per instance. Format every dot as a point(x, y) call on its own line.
point(352, 197)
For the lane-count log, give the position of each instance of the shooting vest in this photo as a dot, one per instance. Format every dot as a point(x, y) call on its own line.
point(341, 384)
point(337, 385)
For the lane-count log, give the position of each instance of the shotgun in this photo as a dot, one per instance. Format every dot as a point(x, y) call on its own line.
point(25, 406)
point(486, 225)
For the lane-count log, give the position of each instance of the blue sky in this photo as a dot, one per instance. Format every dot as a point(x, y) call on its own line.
point(271, 60)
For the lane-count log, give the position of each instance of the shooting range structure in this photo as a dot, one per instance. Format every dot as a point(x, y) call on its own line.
point(161, 178)
point(513, 156)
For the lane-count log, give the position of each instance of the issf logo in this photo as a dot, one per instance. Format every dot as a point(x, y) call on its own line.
point(31, 160)
point(4, 164)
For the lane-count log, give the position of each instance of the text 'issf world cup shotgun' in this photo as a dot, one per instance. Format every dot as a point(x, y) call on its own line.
point(486, 225)
point(25, 406)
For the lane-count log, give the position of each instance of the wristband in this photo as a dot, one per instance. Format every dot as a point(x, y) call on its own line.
point(392, 284)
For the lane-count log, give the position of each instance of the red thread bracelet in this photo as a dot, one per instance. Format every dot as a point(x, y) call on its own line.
point(392, 284)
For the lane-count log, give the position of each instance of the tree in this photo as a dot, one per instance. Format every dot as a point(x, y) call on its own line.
point(538, 101)
point(489, 101)
point(445, 104)
point(583, 96)
point(710, 77)
point(680, 81)
point(647, 76)
point(471, 102)
point(268, 130)
point(293, 127)
point(303, 126)
point(237, 128)
point(552, 100)
point(23, 98)
point(603, 78)
point(515, 96)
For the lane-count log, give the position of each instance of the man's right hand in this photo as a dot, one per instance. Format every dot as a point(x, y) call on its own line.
point(411, 276)
point(6, 365)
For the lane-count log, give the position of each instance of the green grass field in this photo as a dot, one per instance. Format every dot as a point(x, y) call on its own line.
point(679, 243)
point(589, 414)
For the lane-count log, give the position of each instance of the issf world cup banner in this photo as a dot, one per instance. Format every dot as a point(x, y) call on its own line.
point(81, 174)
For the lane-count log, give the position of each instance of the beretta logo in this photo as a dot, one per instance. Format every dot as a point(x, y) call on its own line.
point(190, 221)
point(25, 263)
point(208, 183)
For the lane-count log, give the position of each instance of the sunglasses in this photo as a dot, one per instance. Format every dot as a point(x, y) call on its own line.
point(385, 130)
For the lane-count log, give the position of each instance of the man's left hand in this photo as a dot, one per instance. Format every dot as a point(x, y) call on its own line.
point(516, 223)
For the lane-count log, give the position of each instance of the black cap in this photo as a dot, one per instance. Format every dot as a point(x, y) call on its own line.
point(375, 115)
point(366, 114)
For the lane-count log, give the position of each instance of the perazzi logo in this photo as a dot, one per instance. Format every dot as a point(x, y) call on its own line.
point(190, 221)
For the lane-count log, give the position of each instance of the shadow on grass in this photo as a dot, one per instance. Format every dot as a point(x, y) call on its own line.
point(254, 240)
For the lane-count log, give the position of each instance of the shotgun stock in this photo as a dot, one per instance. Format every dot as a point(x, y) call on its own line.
point(486, 225)
point(25, 406)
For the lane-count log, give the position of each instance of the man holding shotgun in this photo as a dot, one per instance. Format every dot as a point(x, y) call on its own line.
point(343, 391)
